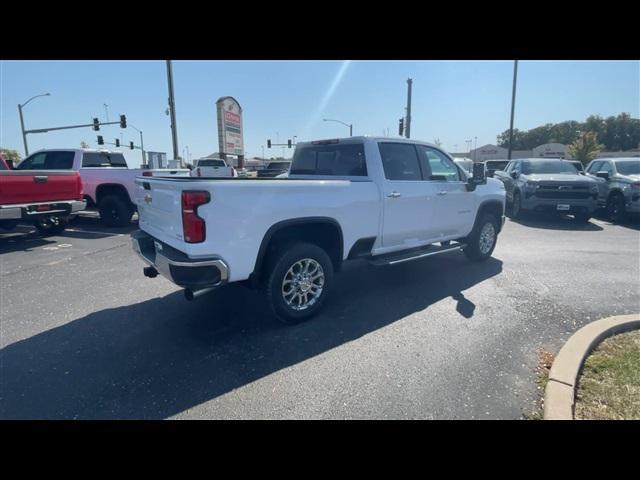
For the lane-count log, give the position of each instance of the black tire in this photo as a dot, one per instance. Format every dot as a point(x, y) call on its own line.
point(582, 217)
point(8, 225)
point(616, 209)
point(516, 206)
point(50, 225)
point(281, 261)
point(115, 211)
point(474, 250)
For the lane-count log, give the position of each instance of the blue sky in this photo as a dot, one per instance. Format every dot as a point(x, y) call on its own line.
point(452, 100)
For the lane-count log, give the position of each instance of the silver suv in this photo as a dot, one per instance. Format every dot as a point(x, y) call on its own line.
point(618, 185)
point(548, 185)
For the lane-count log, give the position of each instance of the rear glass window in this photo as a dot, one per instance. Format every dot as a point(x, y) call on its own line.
point(339, 160)
point(211, 163)
point(48, 161)
point(103, 160)
point(280, 165)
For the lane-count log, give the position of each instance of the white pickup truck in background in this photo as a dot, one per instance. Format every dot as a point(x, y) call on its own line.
point(382, 199)
point(212, 167)
point(108, 183)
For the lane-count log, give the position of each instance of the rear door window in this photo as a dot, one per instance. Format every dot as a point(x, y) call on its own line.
point(48, 161)
point(338, 160)
point(400, 161)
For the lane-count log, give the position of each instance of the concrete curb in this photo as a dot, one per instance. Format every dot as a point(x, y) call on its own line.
point(559, 395)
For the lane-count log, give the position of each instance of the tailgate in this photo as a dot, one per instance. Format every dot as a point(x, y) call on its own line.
point(160, 210)
point(28, 186)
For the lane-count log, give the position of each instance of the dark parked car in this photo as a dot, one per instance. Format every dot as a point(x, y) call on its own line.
point(548, 185)
point(492, 165)
point(618, 185)
point(274, 169)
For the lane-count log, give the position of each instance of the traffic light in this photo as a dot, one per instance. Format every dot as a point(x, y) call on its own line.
point(289, 143)
point(100, 140)
point(131, 145)
point(401, 127)
point(123, 121)
point(96, 124)
point(268, 143)
point(117, 142)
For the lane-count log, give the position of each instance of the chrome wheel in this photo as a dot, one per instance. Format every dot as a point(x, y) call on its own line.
point(487, 238)
point(302, 285)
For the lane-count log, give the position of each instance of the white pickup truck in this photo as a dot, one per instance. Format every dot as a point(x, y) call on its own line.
point(108, 183)
point(382, 199)
point(212, 167)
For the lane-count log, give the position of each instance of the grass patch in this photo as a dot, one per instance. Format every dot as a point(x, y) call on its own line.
point(609, 387)
point(545, 360)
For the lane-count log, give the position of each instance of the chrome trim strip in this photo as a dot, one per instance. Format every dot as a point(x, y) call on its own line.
point(428, 254)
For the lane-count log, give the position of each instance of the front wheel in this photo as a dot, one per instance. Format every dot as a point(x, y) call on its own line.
point(50, 225)
point(482, 241)
point(616, 208)
point(299, 277)
point(516, 205)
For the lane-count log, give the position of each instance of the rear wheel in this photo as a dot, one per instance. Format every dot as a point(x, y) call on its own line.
point(115, 211)
point(616, 210)
point(50, 225)
point(299, 276)
point(482, 241)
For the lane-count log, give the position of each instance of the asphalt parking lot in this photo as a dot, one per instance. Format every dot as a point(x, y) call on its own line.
point(85, 335)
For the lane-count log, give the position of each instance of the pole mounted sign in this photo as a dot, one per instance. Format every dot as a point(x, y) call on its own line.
point(230, 140)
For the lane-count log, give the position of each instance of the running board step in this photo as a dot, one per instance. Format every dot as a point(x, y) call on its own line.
point(393, 258)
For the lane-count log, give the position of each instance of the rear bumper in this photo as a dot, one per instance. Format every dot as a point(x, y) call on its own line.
point(176, 266)
point(31, 210)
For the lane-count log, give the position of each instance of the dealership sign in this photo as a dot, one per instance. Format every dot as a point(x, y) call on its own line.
point(229, 126)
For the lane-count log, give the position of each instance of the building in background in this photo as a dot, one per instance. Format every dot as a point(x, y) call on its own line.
point(547, 150)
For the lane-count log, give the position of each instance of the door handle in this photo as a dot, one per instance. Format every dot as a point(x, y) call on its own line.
point(40, 178)
point(394, 195)
point(442, 192)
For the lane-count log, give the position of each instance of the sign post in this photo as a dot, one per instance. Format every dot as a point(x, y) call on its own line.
point(230, 140)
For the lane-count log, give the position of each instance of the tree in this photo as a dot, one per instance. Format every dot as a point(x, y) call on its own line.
point(585, 148)
point(10, 154)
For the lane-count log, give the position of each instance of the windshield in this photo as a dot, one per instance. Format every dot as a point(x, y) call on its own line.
point(211, 163)
point(548, 166)
point(628, 167)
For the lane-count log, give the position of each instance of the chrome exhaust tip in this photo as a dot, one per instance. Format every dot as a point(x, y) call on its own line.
point(191, 295)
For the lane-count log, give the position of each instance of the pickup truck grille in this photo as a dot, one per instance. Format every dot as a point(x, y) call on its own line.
point(563, 191)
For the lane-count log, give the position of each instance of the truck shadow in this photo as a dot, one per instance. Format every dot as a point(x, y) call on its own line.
point(553, 222)
point(160, 357)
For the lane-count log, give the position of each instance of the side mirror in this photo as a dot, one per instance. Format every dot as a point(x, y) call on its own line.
point(603, 174)
point(478, 177)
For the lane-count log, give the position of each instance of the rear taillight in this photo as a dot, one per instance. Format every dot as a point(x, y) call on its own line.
point(193, 226)
point(147, 173)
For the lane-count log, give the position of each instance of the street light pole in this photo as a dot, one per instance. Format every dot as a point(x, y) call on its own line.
point(513, 104)
point(345, 124)
point(408, 125)
point(24, 134)
point(172, 108)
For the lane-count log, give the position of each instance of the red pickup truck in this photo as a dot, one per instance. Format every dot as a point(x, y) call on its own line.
point(43, 198)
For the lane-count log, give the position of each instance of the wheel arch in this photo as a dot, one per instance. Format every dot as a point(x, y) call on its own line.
point(325, 232)
point(494, 207)
point(105, 189)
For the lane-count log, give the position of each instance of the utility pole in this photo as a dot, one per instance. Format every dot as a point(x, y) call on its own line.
point(513, 105)
point(172, 109)
point(106, 109)
point(408, 125)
